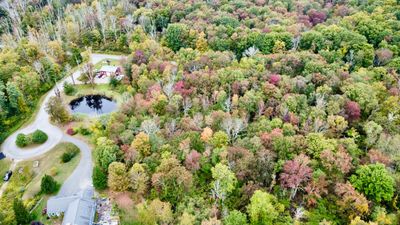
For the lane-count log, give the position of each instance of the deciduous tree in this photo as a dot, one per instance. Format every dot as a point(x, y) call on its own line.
point(374, 181)
point(264, 208)
point(141, 143)
point(235, 218)
point(138, 178)
point(295, 173)
point(106, 152)
point(352, 202)
point(117, 177)
point(154, 212)
point(56, 109)
point(224, 181)
point(171, 179)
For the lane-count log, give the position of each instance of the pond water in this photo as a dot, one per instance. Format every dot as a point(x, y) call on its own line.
point(93, 105)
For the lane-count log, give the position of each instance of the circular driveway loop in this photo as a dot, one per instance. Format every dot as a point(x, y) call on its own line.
point(81, 177)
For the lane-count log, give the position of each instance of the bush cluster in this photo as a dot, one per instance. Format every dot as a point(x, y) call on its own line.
point(69, 89)
point(71, 152)
point(71, 131)
point(37, 137)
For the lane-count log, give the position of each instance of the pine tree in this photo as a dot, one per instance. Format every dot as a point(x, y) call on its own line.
point(48, 185)
point(99, 178)
point(22, 215)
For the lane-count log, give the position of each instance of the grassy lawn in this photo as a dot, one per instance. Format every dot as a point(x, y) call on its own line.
point(87, 89)
point(4, 166)
point(49, 163)
point(37, 212)
point(113, 62)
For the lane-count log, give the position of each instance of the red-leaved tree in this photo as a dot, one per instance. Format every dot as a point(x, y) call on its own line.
point(296, 173)
point(316, 17)
point(352, 110)
point(192, 161)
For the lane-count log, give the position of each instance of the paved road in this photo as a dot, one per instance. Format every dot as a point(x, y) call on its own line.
point(82, 175)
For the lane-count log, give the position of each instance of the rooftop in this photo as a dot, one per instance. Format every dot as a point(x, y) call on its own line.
point(78, 209)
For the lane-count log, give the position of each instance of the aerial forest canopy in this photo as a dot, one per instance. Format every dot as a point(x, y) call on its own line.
point(234, 112)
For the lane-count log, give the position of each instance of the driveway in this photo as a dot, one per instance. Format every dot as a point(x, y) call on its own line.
point(82, 175)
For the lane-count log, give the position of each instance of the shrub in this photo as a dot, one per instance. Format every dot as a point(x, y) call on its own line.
point(39, 137)
point(69, 154)
point(114, 82)
point(22, 140)
point(99, 178)
point(71, 131)
point(48, 185)
point(69, 89)
point(53, 171)
point(84, 131)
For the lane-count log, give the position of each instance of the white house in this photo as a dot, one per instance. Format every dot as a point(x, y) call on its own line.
point(78, 209)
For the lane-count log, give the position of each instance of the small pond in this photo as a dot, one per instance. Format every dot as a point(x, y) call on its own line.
point(93, 105)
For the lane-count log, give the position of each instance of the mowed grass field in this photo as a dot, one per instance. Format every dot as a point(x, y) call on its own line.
point(98, 89)
point(50, 164)
point(113, 62)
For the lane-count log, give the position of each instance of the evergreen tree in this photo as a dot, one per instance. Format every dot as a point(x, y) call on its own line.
point(22, 215)
point(99, 178)
point(48, 185)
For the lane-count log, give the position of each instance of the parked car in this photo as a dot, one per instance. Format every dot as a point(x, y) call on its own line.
point(8, 175)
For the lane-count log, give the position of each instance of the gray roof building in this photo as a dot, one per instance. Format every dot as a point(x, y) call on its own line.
point(78, 209)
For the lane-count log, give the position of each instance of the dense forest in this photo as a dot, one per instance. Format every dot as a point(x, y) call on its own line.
point(235, 112)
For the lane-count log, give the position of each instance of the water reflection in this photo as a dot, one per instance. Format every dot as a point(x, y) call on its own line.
point(93, 105)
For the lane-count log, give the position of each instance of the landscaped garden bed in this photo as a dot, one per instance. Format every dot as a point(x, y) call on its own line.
point(37, 137)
